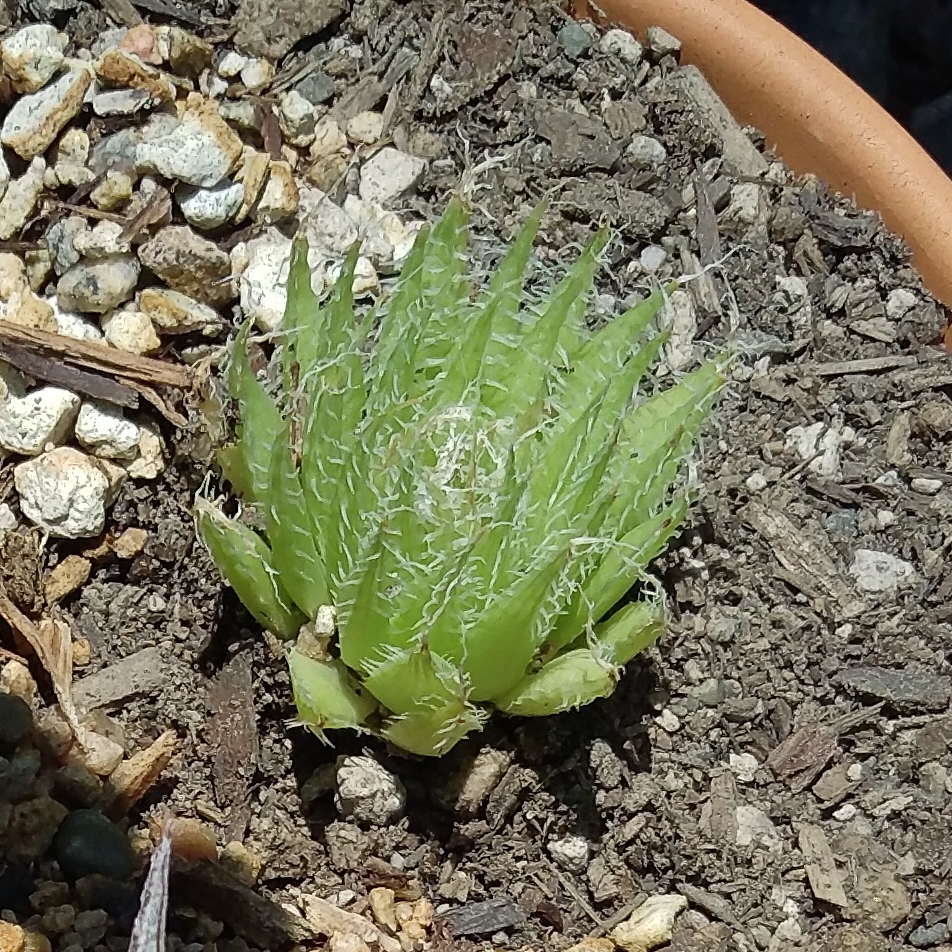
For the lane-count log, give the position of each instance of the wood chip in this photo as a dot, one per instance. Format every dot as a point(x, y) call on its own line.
point(121, 12)
point(804, 564)
point(255, 918)
point(269, 128)
point(232, 731)
point(98, 357)
point(833, 785)
point(134, 777)
point(862, 365)
point(155, 210)
point(50, 370)
point(801, 757)
point(177, 11)
point(825, 880)
point(484, 918)
point(718, 818)
point(705, 225)
point(717, 906)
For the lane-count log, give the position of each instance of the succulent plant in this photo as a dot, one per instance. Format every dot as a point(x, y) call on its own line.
point(456, 492)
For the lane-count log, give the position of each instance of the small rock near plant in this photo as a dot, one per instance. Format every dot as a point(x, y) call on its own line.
point(368, 792)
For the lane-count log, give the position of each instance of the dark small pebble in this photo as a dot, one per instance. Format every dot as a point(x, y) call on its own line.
point(120, 900)
point(926, 936)
point(16, 720)
point(16, 884)
point(87, 843)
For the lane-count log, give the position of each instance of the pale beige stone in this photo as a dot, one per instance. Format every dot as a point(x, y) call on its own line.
point(174, 313)
point(32, 55)
point(131, 331)
point(18, 304)
point(117, 67)
point(20, 199)
point(112, 192)
point(34, 121)
point(252, 174)
point(280, 197)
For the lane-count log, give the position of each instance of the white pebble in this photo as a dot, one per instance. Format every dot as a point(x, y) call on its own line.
point(899, 302)
point(297, 117)
point(646, 153)
point(74, 325)
point(389, 174)
point(756, 482)
point(653, 257)
point(885, 518)
point(65, 492)
point(744, 767)
point(622, 44)
point(44, 417)
point(365, 128)
point(845, 813)
point(257, 74)
point(368, 792)
point(650, 925)
point(98, 285)
point(32, 55)
point(231, 64)
point(262, 265)
point(105, 432)
point(880, 572)
point(7, 519)
point(210, 208)
point(571, 853)
point(151, 459)
point(926, 485)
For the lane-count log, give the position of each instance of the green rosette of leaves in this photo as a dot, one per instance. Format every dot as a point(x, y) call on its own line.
point(456, 493)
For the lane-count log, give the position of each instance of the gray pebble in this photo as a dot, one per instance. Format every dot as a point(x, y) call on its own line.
point(710, 692)
point(646, 153)
point(926, 936)
point(316, 88)
point(574, 40)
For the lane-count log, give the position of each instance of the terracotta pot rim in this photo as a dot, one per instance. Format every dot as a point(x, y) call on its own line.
point(816, 118)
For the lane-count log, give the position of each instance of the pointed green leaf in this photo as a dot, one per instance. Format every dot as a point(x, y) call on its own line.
point(260, 423)
point(566, 682)
point(433, 732)
point(413, 681)
point(292, 536)
point(327, 696)
point(245, 560)
point(603, 356)
point(500, 646)
point(628, 632)
point(532, 363)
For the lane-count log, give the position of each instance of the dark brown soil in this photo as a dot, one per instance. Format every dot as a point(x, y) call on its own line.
point(783, 708)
